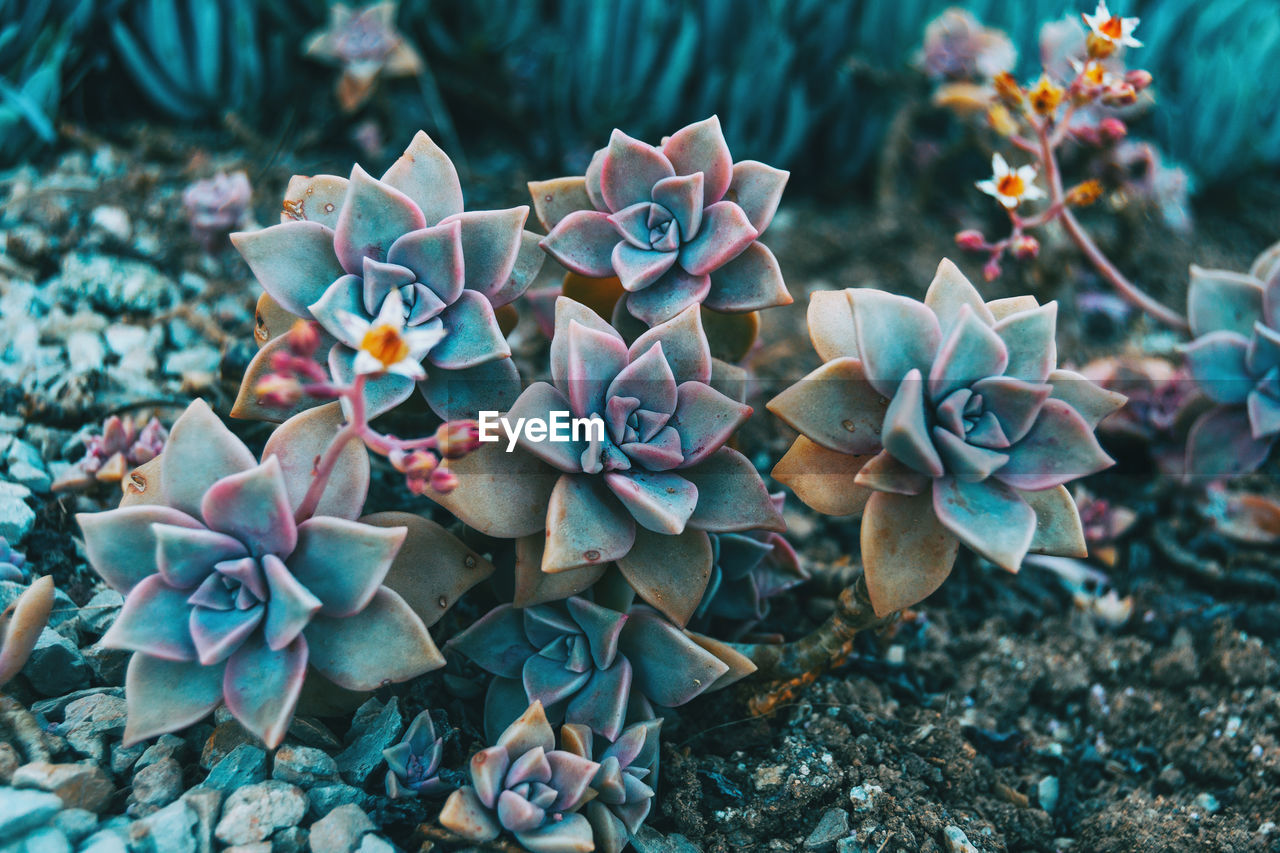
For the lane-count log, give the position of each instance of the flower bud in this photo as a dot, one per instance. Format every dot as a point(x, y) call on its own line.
point(991, 270)
point(1084, 194)
point(1008, 90)
point(282, 362)
point(303, 339)
point(1087, 135)
point(278, 390)
point(971, 240)
point(1138, 79)
point(1026, 248)
point(455, 439)
point(443, 480)
point(414, 462)
point(1119, 95)
point(1112, 129)
point(1045, 96)
point(1099, 47)
point(1001, 120)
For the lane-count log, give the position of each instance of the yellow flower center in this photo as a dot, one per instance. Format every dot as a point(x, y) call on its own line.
point(1045, 97)
point(1112, 28)
point(1094, 73)
point(1011, 186)
point(385, 344)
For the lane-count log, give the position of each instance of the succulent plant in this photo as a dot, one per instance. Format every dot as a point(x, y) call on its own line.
point(586, 663)
point(524, 785)
point(217, 206)
point(12, 562)
point(942, 422)
point(367, 46)
point(413, 764)
point(644, 491)
point(958, 47)
point(345, 245)
point(624, 784)
point(196, 59)
point(1235, 360)
point(21, 624)
point(748, 569)
point(38, 39)
point(230, 599)
point(676, 224)
point(109, 457)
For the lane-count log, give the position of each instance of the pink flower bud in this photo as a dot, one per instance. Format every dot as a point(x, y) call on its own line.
point(991, 270)
point(303, 339)
point(1025, 248)
point(1119, 95)
point(455, 439)
point(1138, 79)
point(971, 240)
point(443, 480)
point(278, 390)
point(1087, 135)
point(282, 361)
point(1113, 129)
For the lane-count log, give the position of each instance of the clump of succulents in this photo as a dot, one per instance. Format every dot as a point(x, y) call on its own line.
point(217, 206)
point(346, 248)
point(525, 786)
point(109, 457)
point(675, 224)
point(942, 422)
point(587, 664)
point(748, 569)
point(366, 45)
point(21, 624)
point(642, 490)
point(12, 562)
point(1235, 360)
point(235, 591)
point(624, 784)
point(413, 764)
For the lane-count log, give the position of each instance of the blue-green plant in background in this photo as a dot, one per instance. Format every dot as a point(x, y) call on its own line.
point(36, 44)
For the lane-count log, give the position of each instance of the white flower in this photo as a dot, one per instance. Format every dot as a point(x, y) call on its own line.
point(1112, 28)
point(1095, 73)
point(385, 345)
point(1009, 186)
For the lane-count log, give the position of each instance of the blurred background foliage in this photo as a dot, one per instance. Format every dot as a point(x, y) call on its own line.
point(811, 85)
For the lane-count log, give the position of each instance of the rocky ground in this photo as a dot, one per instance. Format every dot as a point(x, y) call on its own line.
point(1006, 713)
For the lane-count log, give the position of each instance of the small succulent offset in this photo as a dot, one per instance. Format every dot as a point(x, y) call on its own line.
point(624, 784)
point(21, 624)
point(231, 599)
point(413, 764)
point(109, 457)
point(347, 247)
point(942, 422)
point(587, 664)
point(748, 569)
point(524, 785)
point(677, 224)
point(367, 46)
point(642, 487)
point(1235, 360)
point(12, 562)
point(217, 206)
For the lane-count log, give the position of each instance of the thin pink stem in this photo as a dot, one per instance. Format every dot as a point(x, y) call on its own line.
point(328, 460)
point(1127, 290)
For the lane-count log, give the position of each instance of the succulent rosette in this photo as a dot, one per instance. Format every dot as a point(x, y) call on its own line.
point(345, 245)
point(942, 422)
point(624, 784)
point(367, 46)
point(230, 599)
point(646, 496)
point(1235, 360)
point(524, 785)
point(677, 224)
point(413, 764)
point(587, 664)
point(748, 569)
